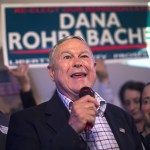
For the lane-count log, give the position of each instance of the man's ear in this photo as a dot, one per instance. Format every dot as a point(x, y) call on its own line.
point(50, 71)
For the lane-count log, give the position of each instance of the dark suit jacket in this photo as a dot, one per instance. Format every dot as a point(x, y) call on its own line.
point(3, 123)
point(45, 127)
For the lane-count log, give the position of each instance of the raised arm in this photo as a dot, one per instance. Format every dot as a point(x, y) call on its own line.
point(22, 75)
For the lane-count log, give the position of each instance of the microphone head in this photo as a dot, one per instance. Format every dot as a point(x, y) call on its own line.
point(86, 91)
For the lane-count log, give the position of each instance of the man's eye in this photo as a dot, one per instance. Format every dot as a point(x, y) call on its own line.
point(67, 57)
point(84, 56)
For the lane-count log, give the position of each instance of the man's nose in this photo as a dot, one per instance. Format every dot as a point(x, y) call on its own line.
point(77, 63)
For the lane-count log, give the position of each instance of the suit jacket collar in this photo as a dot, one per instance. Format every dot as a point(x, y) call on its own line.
point(57, 114)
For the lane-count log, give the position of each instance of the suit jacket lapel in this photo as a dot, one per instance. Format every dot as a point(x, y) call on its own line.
point(56, 113)
point(117, 128)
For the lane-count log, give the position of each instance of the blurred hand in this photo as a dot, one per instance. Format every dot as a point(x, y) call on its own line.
point(22, 75)
point(101, 71)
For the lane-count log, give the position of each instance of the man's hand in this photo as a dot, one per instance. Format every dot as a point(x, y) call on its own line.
point(83, 111)
point(22, 74)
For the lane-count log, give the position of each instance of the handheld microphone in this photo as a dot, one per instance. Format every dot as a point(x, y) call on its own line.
point(83, 92)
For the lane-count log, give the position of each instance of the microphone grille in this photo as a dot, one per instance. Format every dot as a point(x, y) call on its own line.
point(86, 91)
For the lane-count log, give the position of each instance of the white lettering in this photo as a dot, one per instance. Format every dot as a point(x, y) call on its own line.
point(113, 20)
point(106, 38)
point(14, 40)
point(135, 36)
point(96, 20)
point(34, 36)
point(82, 21)
point(93, 37)
point(66, 21)
point(118, 38)
point(45, 39)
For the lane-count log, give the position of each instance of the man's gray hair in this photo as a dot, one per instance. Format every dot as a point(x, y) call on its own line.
point(51, 54)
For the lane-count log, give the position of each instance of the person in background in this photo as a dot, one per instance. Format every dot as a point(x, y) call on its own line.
point(27, 98)
point(26, 94)
point(145, 107)
point(104, 85)
point(61, 123)
point(130, 93)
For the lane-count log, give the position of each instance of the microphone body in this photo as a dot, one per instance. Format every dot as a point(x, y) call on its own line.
point(83, 92)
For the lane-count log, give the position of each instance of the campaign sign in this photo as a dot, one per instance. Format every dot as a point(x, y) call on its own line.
point(114, 32)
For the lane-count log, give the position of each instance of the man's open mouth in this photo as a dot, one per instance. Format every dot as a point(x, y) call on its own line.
point(78, 75)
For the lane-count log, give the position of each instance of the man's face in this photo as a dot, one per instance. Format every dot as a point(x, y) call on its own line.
point(132, 103)
point(146, 104)
point(74, 67)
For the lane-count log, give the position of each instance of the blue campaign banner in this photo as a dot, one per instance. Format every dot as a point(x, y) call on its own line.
point(113, 32)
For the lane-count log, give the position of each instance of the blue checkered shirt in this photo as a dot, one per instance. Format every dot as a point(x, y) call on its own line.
point(100, 136)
